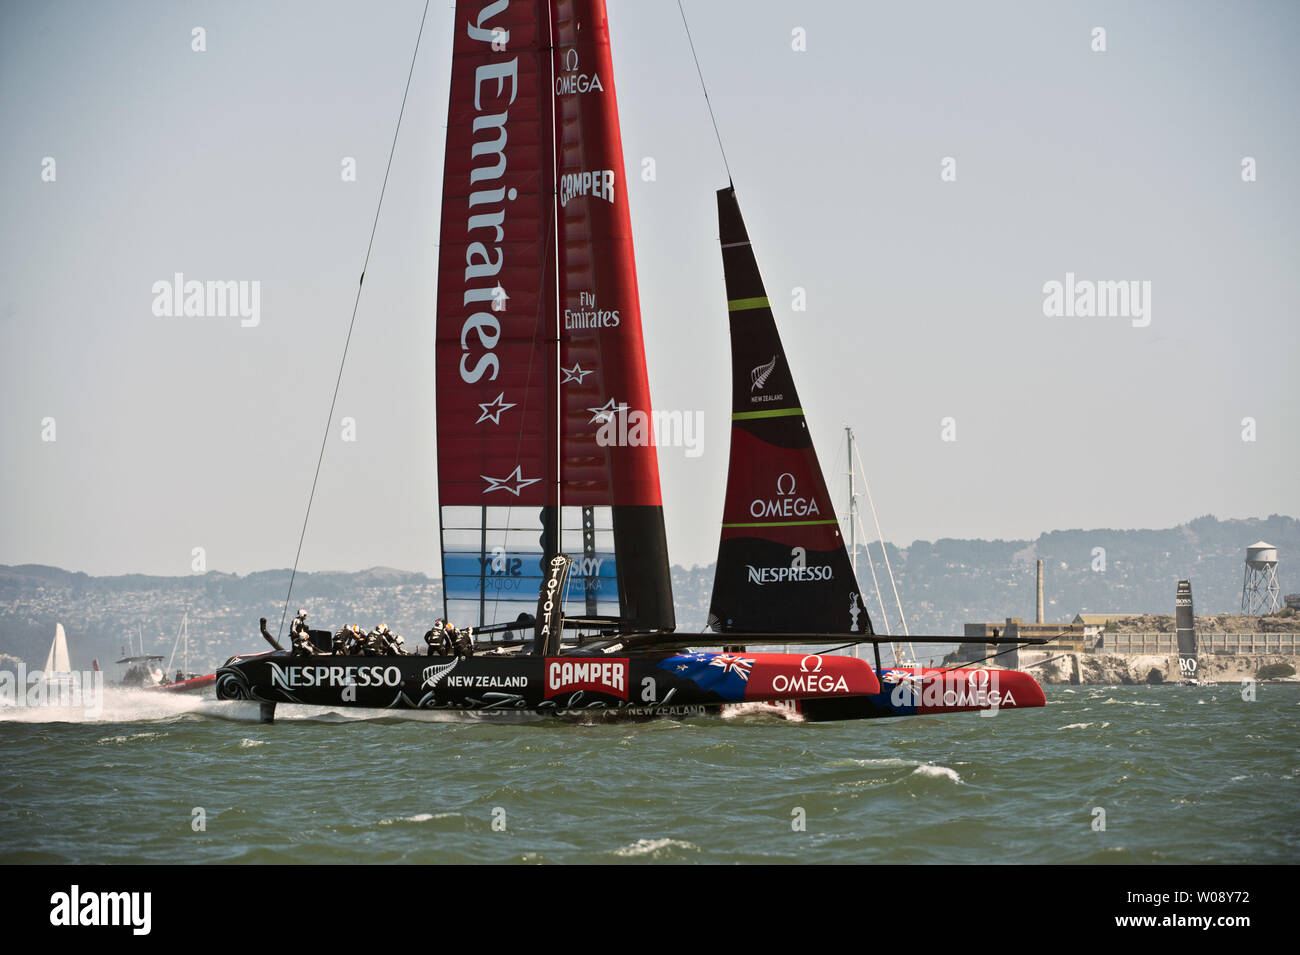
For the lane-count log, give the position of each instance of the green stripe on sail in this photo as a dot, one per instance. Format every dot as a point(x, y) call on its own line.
point(741, 304)
point(782, 523)
point(770, 413)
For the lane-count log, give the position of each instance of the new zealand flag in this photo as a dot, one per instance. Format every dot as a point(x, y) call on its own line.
point(726, 674)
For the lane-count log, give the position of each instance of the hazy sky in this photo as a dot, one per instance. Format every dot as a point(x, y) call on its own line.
point(925, 298)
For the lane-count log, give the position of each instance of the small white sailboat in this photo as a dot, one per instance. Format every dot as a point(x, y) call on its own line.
point(58, 665)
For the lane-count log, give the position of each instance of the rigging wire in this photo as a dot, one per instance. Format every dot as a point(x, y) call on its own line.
point(856, 518)
point(374, 226)
point(964, 664)
point(842, 646)
point(884, 550)
point(894, 647)
point(875, 583)
point(705, 89)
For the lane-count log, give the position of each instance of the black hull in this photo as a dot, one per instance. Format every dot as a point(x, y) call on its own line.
point(509, 689)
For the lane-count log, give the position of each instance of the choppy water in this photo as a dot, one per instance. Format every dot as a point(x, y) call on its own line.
point(1183, 775)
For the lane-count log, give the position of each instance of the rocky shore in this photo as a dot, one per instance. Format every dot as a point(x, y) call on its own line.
point(1108, 668)
point(1285, 620)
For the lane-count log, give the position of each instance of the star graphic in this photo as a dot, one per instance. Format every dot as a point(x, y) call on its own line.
point(573, 374)
point(605, 412)
point(514, 482)
point(492, 409)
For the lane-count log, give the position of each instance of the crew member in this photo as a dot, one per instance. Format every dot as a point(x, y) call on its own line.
point(380, 641)
point(447, 645)
point(391, 642)
point(301, 635)
point(354, 641)
point(433, 637)
point(441, 638)
point(463, 641)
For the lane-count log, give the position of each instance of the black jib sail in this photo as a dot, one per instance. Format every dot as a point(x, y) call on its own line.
point(782, 566)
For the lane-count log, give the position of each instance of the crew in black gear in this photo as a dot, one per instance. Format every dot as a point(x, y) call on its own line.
point(381, 642)
point(389, 642)
point(463, 642)
point(441, 638)
point(433, 637)
point(354, 641)
point(302, 645)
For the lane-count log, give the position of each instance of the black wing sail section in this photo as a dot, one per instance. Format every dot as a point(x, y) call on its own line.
point(782, 566)
point(1185, 623)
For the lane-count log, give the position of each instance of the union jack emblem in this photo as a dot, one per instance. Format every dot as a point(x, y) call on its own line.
point(731, 663)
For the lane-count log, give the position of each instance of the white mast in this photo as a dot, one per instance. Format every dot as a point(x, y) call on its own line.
point(853, 507)
point(853, 520)
point(182, 633)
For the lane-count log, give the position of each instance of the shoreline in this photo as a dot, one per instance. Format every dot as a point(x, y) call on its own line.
point(1085, 669)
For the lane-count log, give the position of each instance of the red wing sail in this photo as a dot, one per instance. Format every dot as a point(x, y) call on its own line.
point(536, 253)
point(609, 456)
point(782, 565)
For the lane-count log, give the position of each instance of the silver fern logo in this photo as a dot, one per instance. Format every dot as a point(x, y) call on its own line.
point(758, 376)
point(434, 675)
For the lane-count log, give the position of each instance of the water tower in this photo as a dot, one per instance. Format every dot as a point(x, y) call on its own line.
point(1260, 590)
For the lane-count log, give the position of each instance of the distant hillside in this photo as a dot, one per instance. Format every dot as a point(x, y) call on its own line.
point(948, 582)
point(101, 614)
point(943, 584)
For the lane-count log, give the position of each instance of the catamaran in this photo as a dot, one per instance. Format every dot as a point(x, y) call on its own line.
point(548, 476)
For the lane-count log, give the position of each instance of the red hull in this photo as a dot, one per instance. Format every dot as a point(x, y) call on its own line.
point(193, 685)
point(936, 690)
